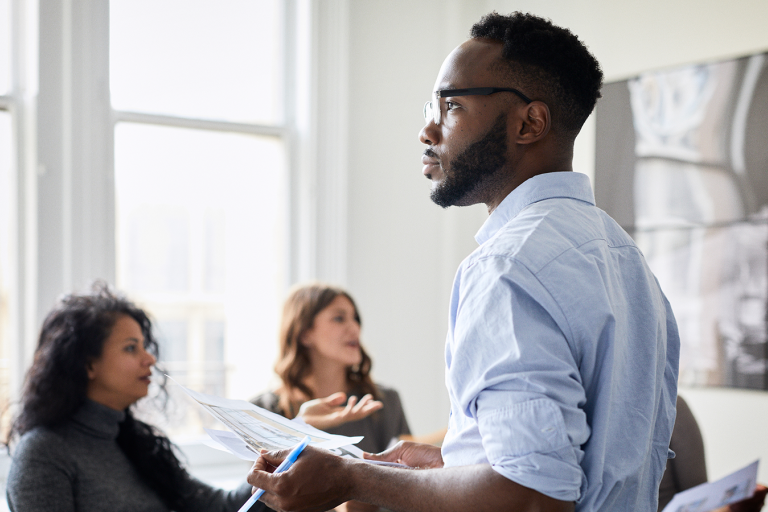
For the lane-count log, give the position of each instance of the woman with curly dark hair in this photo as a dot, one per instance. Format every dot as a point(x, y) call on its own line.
point(75, 443)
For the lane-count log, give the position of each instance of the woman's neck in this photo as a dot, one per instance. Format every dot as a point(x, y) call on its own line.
point(327, 378)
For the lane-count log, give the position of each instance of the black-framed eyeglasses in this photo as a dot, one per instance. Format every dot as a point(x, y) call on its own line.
point(432, 108)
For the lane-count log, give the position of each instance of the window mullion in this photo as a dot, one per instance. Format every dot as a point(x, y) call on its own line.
point(75, 184)
point(22, 106)
point(199, 124)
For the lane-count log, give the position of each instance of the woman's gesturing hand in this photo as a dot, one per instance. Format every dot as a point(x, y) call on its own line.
point(325, 413)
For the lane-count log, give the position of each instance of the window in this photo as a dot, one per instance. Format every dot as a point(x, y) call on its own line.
point(6, 219)
point(179, 150)
point(7, 208)
point(5, 47)
point(200, 187)
point(190, 154)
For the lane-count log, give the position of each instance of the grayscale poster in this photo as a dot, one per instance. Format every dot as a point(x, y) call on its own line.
point(682, 165)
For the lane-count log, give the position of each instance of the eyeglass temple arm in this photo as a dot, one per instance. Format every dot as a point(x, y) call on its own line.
point(480, 91)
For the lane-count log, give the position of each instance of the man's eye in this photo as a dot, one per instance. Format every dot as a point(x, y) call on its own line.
point(130, 348)
point(449, 105)
point(339, 319)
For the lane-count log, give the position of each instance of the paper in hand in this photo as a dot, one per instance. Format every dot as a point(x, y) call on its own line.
point(737, 486)
point(259, 429)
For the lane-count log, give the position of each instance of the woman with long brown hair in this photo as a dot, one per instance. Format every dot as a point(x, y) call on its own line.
point(323, 363)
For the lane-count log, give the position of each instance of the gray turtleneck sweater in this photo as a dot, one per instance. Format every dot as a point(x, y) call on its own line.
point(79, 467)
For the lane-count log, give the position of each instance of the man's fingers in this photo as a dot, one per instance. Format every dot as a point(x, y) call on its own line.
point(306, 485)
point(260, 465)
point(265, 465)
point(259, 478)
point(266, 480)
point(386, 456)
point(411, 454)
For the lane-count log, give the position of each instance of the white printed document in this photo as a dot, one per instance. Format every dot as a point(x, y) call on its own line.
point(254, 428)
point(737, 486)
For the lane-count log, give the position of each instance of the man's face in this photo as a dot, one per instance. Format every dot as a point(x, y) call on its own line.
point(479, 161)
point(468, 149)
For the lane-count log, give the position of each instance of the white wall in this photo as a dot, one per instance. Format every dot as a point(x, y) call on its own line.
point(403, 250)
point(400, 264)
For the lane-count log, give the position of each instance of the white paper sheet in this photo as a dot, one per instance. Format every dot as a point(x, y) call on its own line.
point(735, 487)
point(259, 428)
point(230, 442)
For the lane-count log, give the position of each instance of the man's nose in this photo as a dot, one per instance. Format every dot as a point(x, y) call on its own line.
point(430, 134)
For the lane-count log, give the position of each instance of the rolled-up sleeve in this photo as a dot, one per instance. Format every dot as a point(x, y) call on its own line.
point(514, 378)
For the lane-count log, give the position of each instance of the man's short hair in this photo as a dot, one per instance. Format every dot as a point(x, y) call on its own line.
point(547, 63)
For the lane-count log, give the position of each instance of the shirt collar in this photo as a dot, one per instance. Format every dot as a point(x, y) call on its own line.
point(568, 184)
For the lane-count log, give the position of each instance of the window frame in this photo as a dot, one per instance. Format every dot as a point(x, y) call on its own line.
point(65, 205)
point(75, 230)
point(194, 306)
point(20, 103)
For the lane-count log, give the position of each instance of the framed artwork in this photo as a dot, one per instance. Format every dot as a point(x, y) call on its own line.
point(682, 165)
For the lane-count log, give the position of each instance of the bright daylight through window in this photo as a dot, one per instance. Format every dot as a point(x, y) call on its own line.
point(6, 203)
point(6, 206)
point(200, 188)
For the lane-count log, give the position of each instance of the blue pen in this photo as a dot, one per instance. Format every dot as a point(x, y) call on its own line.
point(287, 463)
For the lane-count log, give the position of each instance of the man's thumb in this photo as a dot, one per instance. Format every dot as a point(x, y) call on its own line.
point(274, 458)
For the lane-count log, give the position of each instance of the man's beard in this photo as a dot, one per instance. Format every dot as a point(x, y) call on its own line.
point(473, 166)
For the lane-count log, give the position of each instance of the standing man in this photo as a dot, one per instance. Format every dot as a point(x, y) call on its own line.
point(562, 351)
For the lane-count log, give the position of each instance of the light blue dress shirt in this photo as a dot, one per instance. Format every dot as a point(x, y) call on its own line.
point(562, 352)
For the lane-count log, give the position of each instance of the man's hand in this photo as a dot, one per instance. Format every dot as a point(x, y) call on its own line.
point(356, 506)
point(316, 482)
point(325, 413)
point(320, 481)
point(753, 504)
point(411, 454)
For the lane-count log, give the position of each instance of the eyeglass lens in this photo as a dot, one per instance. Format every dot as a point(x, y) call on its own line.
point(432, 110)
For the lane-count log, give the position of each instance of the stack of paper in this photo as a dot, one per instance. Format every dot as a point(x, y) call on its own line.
point(254, 429)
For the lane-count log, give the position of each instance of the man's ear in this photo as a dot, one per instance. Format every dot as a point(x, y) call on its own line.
point(535, 122)
point(89, 369)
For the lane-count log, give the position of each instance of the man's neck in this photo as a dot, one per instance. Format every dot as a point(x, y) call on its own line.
point(551, 154)
point(516, 181)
